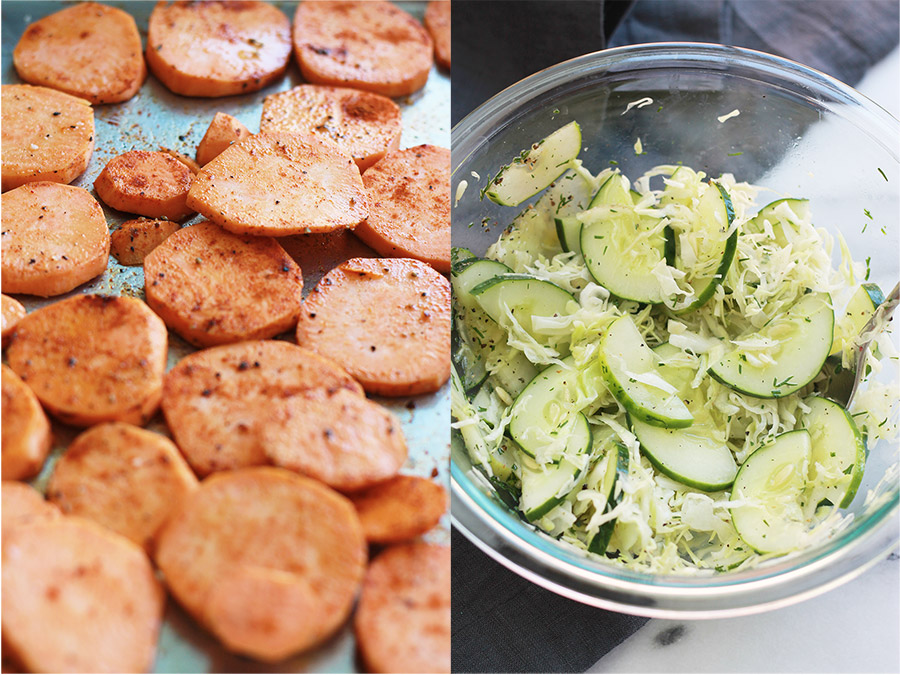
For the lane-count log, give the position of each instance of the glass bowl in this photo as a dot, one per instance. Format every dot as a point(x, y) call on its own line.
point(798, 132)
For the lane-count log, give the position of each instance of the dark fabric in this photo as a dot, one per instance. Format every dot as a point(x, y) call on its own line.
point(498, 42)
point(504, 624)
point(842, 38)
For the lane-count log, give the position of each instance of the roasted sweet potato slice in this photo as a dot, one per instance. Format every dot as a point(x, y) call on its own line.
point(362, 124)
point(409, 206)
point(135, 239)
point(213, 287)
point(219, 401)
point(88, 50)
point(437, 23)
point(22, 504)
point(13, 312)
point(47, 135)
point(92, 359)
point(55, 238)
point(78, 598)
point(217, 48)
point(279, 184)
point(153, 184)
point(270, 562)
point(223, 131)
point(399, 509)
point(364, 44)
point(402, 622)
point(123, 477)
point(26, 429)
point(386, 320)
point(340, 438)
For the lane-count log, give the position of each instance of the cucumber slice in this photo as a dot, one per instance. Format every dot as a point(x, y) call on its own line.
point(860, 309)
point(619, 253)
point(535, 168)
point(783, 215)
point(679, 376)
point(696, 456)
point(524, 297)
point(715, 252)
point(772, 480)
point(543, 411)
point(473, 329)
point(568, 229)
point(545, 486)
point(804, 334)
point(469, 364)
point(632, 376)
point(617, 466)
point(458, 254)
point(837, 446)
point(515, 374)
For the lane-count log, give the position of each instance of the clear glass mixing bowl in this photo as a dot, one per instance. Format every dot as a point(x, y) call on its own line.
point(798, 132)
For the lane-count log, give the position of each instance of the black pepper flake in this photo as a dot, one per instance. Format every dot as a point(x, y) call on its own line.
point(328, 433)
point(32, 261)
point(256, 364)
point(57, 114)
point(285, 268)
point(372, 348)
point(243, 365)
point(312, 315)
point(71, 362)
point(206, 392)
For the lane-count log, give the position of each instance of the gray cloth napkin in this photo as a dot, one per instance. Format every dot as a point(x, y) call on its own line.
point(502, 623)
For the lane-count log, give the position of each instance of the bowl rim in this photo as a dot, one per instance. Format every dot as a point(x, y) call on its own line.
point(810, 573)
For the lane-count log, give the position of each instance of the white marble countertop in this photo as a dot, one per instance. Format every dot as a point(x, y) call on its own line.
point(854, 628)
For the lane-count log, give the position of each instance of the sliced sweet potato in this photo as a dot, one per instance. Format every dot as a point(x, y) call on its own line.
point(223, 131)
point(399, 509)
point(213, 287)
point(409, 206)
point(55, 238)
point(340, 438)
point(181, 157)
point(437, 23)
point(364, 44)
point(123, 477)
point(13, 312)
point(92, 359)
point(47, 135)
point(270, 562)
point(402, 622)
point(386, 320)
point(279, 184)
point(78, 598)
point(22, 504)
point(218, 401)
point(152, 184)
point(26, 429)
point(362, 124)
point(88, 50)
point(217, 48)
point(135, 239)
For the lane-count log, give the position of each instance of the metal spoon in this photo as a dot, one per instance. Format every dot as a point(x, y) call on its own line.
point(839, 388)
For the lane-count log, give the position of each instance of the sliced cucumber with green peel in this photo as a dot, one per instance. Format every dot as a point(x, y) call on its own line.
point(803, 334)
point(544, 409)
point(544, 487)
point(617, 250)
point(771, 482)
point(632, 376)
point(860, 308)
point(837, 447)
point(535, 168)
point(568, 229)
point(715, 247)
point(516, 373)
point(524, 297)
point(469, 363)
point(783, 215)
point(458, 254)
point(695, 456)
point(616, 467)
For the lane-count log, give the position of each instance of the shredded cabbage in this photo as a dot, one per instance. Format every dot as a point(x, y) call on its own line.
point(660, 525)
